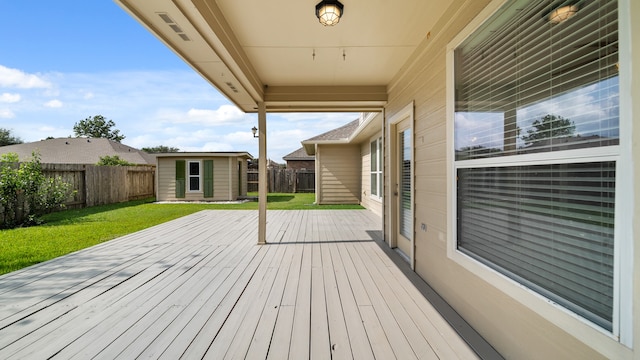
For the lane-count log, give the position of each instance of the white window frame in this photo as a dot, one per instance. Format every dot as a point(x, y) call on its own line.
point(577, 326)
point(379, 154)
point(199, 176)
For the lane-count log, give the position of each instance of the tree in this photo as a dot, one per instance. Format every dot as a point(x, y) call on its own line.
point(549, 127)
point(160, 149)
point(114, 160)
point(7, 139)
point(97, 127)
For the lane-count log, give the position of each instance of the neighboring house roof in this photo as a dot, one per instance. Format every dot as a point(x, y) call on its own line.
point(341, 133)
point(299, 155)
point(242, 154)
point(356, 130)
point(78, 151)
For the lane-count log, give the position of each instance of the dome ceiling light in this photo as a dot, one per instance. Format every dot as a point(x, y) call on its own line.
point(329, 12)
point(562, 14)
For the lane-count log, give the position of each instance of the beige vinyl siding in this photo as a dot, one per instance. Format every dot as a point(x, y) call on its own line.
point(166, 173)
point(221, 179)
point(339, 167)
point(375, 205)
point(242, 177)
point(510, 326)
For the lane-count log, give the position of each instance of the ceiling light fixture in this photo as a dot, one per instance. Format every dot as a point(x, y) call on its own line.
point(329, 12)
point(562, 14)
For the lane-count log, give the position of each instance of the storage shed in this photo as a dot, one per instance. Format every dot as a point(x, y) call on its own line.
point(201, 176)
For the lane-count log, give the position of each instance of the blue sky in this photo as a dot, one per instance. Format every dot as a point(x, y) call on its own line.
point(67, 60)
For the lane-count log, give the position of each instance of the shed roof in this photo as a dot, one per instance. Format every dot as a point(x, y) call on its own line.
point(78, 151)
point(242, 154)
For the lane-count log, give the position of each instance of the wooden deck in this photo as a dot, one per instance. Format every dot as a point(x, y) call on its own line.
point(200, 287)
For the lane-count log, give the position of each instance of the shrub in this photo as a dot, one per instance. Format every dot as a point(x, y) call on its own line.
point(26, 193)
point(114, 160)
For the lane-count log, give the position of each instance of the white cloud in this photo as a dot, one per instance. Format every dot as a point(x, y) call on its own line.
point(47, 128)
point(152, 108)
point(53, 104)
point(18, 79)
point(10, 98)
point(216, 146)
point(225, 114)
point(6, 114)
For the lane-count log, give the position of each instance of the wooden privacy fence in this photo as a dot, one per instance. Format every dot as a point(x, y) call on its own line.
point(99, 185)
point(284, 180)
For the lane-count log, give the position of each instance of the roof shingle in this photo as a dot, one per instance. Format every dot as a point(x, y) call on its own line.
point(78, 151)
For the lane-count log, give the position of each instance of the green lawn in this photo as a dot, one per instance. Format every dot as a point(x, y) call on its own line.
point(72, 230)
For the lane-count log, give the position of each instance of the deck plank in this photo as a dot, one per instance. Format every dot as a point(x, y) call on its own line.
point(200, 287)
point(300, 341)
point(319, 332)
point(358, 340)
point(338, 334)
point(266, 326)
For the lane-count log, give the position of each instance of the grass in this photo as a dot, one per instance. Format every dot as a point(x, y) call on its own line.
point(71, 230)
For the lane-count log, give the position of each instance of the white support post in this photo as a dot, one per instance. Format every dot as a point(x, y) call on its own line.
point(262, 174)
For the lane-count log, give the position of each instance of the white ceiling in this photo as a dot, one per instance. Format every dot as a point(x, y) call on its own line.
point(256, 51)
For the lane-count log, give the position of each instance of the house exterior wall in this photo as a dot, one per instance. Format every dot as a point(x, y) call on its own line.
point(338, 171)
point(225, 180)
point(634, 93)
point(301, 164)
point(511, 326)
point(367, 200)
point(243, 167)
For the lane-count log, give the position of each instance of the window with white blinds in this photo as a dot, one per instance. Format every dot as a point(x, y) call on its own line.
point(406, 201)
point(376, 168)
point(547, 226)
point(527, 85)
point(541, 92)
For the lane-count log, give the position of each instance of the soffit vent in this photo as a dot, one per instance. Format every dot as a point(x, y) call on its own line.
point(232, 87)
point(174, 26)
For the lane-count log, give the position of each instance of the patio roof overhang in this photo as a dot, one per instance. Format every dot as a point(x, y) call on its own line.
point(278, 54)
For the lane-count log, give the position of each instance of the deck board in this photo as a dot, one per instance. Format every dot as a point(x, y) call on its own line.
point(200, 287)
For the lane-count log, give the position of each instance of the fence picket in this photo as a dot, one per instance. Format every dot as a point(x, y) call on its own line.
point(284, 180)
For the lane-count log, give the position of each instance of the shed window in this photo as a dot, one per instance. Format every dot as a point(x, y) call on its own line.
point(194, 176)
point(536, 133)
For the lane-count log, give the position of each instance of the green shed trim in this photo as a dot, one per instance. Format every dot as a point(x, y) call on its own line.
point(208, 178)
point(181, 168)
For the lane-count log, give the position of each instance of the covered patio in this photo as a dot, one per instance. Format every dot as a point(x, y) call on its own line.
point(324, 286)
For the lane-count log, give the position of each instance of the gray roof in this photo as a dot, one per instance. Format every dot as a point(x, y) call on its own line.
point(78, 151)
point(242, 154)
point(341, 133)
point(300, 154)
